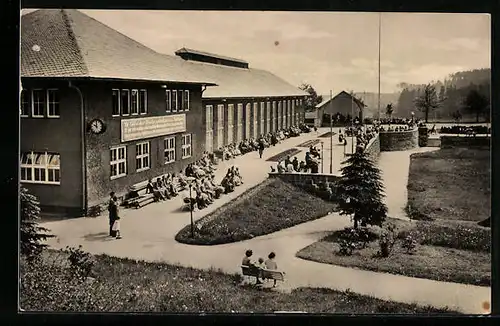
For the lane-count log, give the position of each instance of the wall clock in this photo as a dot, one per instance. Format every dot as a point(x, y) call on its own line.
point(97, 126)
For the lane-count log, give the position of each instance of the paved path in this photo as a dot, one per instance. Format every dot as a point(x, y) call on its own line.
point(149, 235)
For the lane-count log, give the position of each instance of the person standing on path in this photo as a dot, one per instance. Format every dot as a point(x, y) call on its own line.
point(261, 148)
point(112, 213)
point(116, 217)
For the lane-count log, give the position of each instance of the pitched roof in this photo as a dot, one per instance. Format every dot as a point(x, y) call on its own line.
point(68, 43)
point(207, 54)
point(357, 101)
point(234, 82)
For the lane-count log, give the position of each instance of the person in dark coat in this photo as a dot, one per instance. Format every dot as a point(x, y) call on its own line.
point(113, 213)
point(261, 148)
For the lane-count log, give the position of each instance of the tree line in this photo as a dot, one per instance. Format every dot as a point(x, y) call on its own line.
point(462, 94)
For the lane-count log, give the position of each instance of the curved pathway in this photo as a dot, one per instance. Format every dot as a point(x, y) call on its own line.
point(149, 235)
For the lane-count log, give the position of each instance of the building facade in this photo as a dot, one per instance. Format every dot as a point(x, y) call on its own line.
point(341, 105)
point(101, 112)
point(246, 103)
point(85, 136)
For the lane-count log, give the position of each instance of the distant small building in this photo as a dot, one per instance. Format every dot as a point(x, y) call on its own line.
point(342, 106)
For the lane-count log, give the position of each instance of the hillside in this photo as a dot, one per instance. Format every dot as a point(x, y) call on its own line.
point(452, 90)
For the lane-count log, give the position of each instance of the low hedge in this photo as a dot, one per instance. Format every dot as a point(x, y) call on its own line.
point(464, 129)
point(266, 208)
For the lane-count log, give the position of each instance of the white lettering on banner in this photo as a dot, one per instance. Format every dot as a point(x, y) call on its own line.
point(140, 128)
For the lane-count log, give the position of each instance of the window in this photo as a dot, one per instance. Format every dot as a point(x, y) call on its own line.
point(125, 101)
point(186, 100)
point(115, 103)
point(230, 123)
point(53, 103)
point(239, 126)
point(25, 103)
point(134, 102)
point(169, 150)
point(142, 156)
point(220, 125)
point(268, 117)
point(248, 107)
point(186, 146)
point(254, 119)
point(293, 113)
point(38, 105)
point(143, 101)
point(118, 162)
point(262, 118)
point(40, 168)
point(209, 141)
point(180, 100)
point(273, 125)
point(174, 101)
point(168, 101)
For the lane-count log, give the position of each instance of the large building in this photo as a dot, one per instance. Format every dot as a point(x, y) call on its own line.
point(246, 103)
point(342, 105)
point(100, 111)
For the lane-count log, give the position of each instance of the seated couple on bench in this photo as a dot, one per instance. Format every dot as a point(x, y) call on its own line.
point(261, 269)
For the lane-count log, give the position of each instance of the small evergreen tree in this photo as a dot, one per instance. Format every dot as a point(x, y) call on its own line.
point(32, 235)
point(361, 191)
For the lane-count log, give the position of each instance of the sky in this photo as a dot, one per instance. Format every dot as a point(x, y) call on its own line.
point(329, 50)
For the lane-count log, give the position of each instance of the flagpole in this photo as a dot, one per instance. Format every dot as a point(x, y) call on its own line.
point(379, 46)
point(331, 133)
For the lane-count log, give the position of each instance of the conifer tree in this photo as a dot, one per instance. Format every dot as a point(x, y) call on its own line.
point(361, 191)
point(32, 235)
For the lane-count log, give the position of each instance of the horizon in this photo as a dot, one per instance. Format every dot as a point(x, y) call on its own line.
point(307, 47)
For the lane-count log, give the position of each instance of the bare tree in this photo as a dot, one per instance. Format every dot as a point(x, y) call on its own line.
point(428, 101)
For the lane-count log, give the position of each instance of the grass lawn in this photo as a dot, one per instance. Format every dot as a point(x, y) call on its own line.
point(439, 254)
point(121, 285)
point(452, 184)
point(266, 208)
point(309, 143)
point(281, 156)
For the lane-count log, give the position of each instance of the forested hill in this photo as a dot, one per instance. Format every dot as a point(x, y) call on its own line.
point(452, 89)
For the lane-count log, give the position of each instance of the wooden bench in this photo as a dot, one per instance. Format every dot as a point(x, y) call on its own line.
point(139, 198)
point(263, 273)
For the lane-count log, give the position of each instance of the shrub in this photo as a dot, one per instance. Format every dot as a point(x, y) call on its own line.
point(409, 244)
point(346, 247)
point(350, 239)
point(387, 240)
point(81, 262)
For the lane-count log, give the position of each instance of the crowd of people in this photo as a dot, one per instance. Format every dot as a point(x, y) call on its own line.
point(309, 164)
point(258, 144)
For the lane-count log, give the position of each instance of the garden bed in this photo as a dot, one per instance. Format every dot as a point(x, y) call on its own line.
point(446, 251)
point(283, 155)
point(266, 208)
point(122, 285)
point(327, 134)
point(451, 184)
point(309, 143)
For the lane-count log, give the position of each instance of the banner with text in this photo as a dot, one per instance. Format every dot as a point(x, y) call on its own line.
point(140, 128)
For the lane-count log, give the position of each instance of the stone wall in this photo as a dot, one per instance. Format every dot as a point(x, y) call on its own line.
point(423, 136)
point(373, 148)
point(458, 141)
point(301, 179)
point(398, 141)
